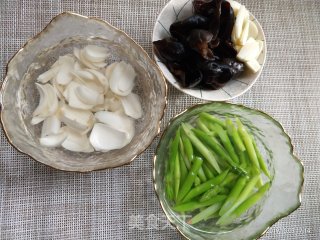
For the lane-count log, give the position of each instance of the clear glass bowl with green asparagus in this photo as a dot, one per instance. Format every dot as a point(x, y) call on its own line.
point(221, 172)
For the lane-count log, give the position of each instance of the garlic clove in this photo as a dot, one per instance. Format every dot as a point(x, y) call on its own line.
point(95, 54)
point(48, 103)
point(122, 79)
point(50, 126)
point(76, 142)
point(54, 140)
point(89, 80)
point(78, 119)
point(88, 95)
point(105, 138)
point(132, 105)
point(249, 51)
point(65, 68)
point(118, 122)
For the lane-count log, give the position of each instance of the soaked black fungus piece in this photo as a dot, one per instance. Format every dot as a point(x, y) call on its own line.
point(188, 77)
point(181, 29)
point(225, 50)
point(215, 75)
point(226, 21)
point(198, 40)
point(236, 67)
point(206, 7)
point(169, 50)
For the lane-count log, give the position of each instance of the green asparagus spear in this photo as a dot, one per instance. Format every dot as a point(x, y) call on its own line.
point(183, 169)
point(190, 178)
point(200, 146)
point(205, 213)
point(202, 126)
point(187, 147)
point(262, 163)
point(193, 205)
point(210, 193)
point(212, 119)
point(205, 186)
point(186, 160)
point(226, 142)
point(207, 171)
point(245, 193)
point(243, 207)
point(233, 133)
point(177, 176)
point(248, 143)
point(235, 192)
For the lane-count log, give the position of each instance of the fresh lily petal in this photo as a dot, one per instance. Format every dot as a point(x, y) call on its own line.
point(104, 138)
point(66, 66)
point(132, 105)
point(122, 79)
point(73, 99)
point(118, 122)
point(88, 95)
point(81, 120)
point(50, 126)
point(54, 140)
point(76, 142)
point(95, 54)
point(89, 80)
point(47, 76)
point(48, 103)
point(35, 120)
point(113, 104)
point(101, 78)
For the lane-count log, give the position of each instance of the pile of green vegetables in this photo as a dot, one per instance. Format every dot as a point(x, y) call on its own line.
point(214, 170)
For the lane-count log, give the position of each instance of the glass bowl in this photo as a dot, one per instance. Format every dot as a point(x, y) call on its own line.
point(177, 10)
point(284, 195)
point(19, 96)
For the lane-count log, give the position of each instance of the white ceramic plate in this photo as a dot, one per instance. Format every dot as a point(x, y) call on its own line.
point(177, 10)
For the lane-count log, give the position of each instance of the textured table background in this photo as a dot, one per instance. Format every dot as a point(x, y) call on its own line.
point(37, 202)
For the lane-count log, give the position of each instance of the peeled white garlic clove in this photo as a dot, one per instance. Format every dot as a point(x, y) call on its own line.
point(86, 62)
point(132, 106)
point(76, 142)
point(110, 69)
point(48, 103)
point(59, 89)
point(95, 54)
point(122, 79)
point(81, 120)
point(47, 76)
point(50, 126)
point(89, 96)
point(253, 30)
point(118, 122)
point(249, 51)
point(104, 138)
point(54, 140)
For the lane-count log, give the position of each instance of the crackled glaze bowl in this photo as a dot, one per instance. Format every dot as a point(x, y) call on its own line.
point(19, 96)
point(177, 10)
point(283, 197)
